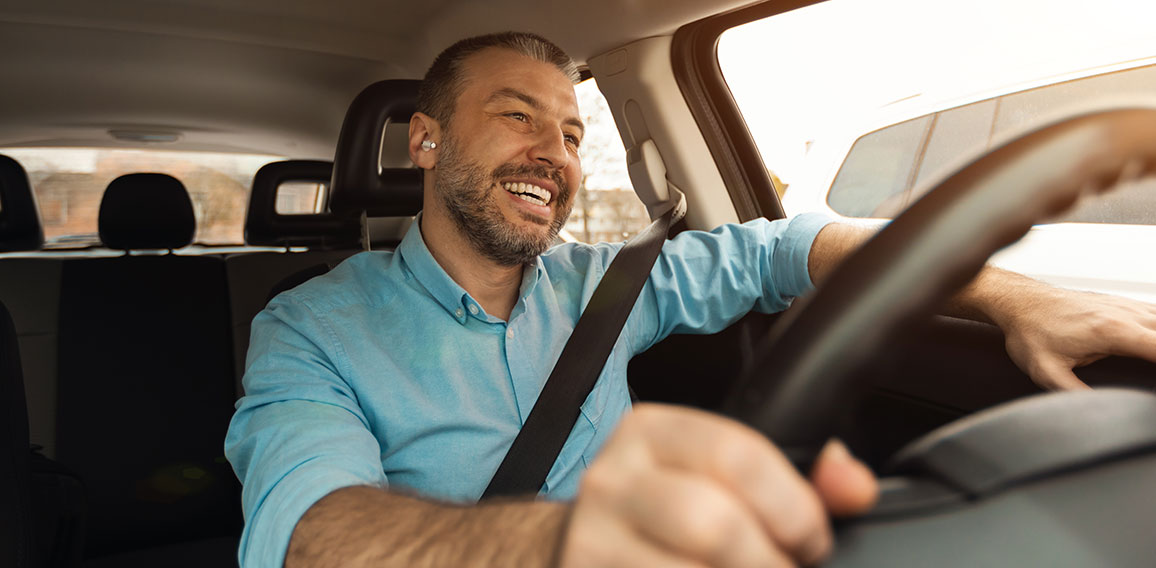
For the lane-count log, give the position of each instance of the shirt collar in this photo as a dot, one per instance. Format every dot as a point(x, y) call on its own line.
point(452, 297)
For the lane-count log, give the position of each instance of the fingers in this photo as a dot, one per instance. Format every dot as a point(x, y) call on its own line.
point(1053, 374)
point(844, 484)
point(749, 467)
point(706, 522)
point(607, 541)
point(1072, 329)
point(705, 489)
point(1135, 339)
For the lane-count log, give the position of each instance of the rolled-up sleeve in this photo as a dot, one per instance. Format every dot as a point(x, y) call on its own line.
point(298, 433)
point(704, 281)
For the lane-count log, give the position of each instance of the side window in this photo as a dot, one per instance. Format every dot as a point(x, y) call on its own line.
point(606, 209)
point(878, 170)
point(884, 169)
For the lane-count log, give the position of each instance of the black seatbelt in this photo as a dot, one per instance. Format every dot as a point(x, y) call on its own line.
point(524, 469)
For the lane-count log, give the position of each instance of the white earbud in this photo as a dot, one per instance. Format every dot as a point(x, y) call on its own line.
point(427, 145)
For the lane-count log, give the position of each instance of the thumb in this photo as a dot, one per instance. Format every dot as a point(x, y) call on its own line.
point(1051, 373)
point(844, 484)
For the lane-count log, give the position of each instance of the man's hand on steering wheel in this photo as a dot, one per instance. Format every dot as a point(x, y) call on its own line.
point(676, 486)
point(1051, 331)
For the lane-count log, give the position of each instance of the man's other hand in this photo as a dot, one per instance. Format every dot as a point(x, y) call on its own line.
point(680, 487)
point(1051, 331)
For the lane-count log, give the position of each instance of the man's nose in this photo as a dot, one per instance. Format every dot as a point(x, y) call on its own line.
point(549, 148)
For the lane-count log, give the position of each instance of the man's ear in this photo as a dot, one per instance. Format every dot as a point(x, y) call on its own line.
point(423, 128)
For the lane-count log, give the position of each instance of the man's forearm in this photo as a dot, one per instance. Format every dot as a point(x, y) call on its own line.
point(990, 296)
point(365, 526)
point(834, 243)
point(996, 294)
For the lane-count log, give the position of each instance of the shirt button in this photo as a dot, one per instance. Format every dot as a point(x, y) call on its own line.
point(473, 309)
point(459, 313)
point(510, 333)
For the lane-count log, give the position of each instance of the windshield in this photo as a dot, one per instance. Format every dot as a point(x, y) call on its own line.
point(812, 81)
point(859, 106)
point(68, 184)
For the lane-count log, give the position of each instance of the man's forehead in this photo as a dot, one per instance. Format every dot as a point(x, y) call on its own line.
point(497, 71)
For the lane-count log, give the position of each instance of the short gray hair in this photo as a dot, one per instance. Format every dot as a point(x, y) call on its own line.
point(442, 84)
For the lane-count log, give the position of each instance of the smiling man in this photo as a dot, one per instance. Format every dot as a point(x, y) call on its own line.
point(381, 398)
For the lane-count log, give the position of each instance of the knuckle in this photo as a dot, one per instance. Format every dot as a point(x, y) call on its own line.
point(739, 455)
point(709, 524)
point(646, 415)
point(807, 534)
point(602, 482)
point(1107, 327)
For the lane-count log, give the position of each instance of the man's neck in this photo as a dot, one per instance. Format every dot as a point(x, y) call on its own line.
point(494, 286)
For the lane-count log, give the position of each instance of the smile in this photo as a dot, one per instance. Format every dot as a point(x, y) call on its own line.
point(529, 192)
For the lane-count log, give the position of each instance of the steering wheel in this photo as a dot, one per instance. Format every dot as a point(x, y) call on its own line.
point(1050, 480)
point(803, 378)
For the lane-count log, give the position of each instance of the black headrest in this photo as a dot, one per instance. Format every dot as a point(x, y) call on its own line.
point(146, 211)
point(265, 226)
point(19, 222)
point(359, 183)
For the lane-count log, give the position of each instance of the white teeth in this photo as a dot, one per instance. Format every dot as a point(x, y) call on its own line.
point(530, 199)
point(528, 192)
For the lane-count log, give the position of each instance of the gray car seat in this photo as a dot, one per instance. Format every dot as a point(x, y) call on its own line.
point(146, 379)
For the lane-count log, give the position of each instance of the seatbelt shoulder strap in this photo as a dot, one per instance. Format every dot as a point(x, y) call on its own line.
point(524, 469)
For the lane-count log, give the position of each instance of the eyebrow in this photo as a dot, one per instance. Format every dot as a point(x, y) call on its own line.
point(512, 93)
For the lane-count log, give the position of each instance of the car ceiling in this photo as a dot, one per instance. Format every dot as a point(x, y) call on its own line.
point(267, 76)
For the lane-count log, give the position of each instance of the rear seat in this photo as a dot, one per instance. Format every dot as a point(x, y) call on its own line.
point(45, 523)
point(132, 361)
point(145, 377)
point(16, 537)
point(331, 238)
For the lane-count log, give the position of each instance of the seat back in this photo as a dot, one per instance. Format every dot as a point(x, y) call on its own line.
point(15, 492)
point(330, 238)
point(146, 379)
point(41, 503)
point(359, 187)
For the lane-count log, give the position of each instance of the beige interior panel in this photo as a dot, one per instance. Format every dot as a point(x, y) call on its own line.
point(639, 85)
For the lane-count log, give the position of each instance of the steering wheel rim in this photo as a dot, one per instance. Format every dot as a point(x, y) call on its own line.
point(803, 378)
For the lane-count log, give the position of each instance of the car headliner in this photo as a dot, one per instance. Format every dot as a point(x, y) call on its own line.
point(266, 76)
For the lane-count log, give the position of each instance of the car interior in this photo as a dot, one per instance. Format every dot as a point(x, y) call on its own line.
point(121, 358)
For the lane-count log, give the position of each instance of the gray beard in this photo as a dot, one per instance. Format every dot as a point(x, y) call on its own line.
point(466, 191)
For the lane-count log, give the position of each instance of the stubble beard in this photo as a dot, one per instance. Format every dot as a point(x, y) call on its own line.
point(466, 190)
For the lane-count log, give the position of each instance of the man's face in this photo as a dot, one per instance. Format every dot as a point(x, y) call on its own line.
point(509, 165)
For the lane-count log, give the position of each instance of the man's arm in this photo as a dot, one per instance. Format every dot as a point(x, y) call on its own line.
point(367, 526)
point(1049, 330)
point(673, 487)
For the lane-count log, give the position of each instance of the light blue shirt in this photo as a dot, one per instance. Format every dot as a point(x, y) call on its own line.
point(386, 372)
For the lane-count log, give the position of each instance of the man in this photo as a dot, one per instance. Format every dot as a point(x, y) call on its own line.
point(381, 397)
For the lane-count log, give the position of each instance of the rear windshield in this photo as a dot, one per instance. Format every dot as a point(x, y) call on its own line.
point(68, 184)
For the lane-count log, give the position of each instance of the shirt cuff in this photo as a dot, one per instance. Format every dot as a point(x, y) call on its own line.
point(794, 250)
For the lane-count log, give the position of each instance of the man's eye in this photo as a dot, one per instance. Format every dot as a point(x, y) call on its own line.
point(573, 140)
point(519, 116)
